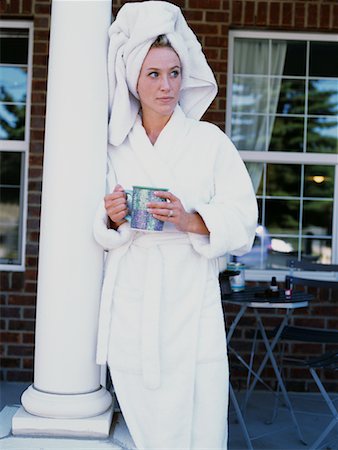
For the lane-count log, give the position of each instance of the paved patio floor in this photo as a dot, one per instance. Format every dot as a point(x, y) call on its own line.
point(310, 410)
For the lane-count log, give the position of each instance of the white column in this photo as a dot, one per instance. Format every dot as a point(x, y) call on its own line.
point(66, 377)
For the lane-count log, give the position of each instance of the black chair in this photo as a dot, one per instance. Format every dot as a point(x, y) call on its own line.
point(329, 359)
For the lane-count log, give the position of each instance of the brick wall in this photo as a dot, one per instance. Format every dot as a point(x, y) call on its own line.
point(18, 289)
point(211, 20)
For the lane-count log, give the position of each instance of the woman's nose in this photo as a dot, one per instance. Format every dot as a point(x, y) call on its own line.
point(165, 84)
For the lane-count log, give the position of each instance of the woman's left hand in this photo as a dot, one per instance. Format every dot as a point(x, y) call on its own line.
point(173, 211)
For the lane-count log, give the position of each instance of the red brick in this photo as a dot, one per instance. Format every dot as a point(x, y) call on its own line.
point(4, 281)
point(30, 287)
point(28, 338)
point(194, 15)
point(27, 6)
point(8, 312)
point(274, 13)
point(205, 4)
point(335, 17)
point(287, 14)
point(3, 299)
point(10, 363)
point(41, 22)
point(217, 16)
point(226, 5)
point(18, 325)
point(29, 313)
point(19, 375)
point(40, 48)
point(21, 299)
point(324, 16)
point(34, 199)
point(249, 13)
point(10, 337)
point(40, 60)
point(21, 350)
point(33, 236)
point(28, 363)
point(205, 28)
point(237, 10)
point(312, 15)
point(300, 15)
point(215, 41)
point(40, 72)
point(42, 8)
point(262, 13)
point(17, 280)
point(13, 7)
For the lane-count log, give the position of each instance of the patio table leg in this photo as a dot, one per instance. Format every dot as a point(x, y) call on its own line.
point(240, 418)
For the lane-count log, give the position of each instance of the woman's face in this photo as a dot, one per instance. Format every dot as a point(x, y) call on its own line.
point(159, 82)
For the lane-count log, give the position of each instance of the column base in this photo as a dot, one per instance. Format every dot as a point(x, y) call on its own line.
point(25, 424)
point(66, 406)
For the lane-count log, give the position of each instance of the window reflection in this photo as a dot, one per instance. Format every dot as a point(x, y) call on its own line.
point(248, 132)
point(295, 59)
point(322, 135)
point(13, 84)
point(12, 121)
point(319, 181)
point(316, 250)
point(249, 95)
point(317, 217)
point(282, 216)
point(283, 180)
point(10, 199)
point(287, 134)
point(323, 97)
point(290, 94)
point(323, 59)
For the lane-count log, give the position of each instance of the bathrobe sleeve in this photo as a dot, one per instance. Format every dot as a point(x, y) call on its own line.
point(231, 214)
point(107, 237)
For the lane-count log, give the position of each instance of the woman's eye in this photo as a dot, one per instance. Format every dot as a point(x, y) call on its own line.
point(175, 73)
point(153, 74)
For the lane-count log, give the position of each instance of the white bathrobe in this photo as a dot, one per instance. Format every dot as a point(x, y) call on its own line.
point(161, 325)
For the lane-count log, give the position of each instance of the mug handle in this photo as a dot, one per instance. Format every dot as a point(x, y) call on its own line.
point(129, 195)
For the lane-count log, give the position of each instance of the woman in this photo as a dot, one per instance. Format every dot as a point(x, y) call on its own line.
point(161, 325)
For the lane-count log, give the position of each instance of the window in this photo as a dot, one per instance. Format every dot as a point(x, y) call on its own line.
point(16, 40)
point(282, 115)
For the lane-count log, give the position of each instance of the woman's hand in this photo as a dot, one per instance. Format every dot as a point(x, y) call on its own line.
point(116, 206)
point(172, 211)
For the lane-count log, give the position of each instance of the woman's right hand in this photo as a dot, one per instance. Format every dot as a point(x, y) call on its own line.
point(116, 206)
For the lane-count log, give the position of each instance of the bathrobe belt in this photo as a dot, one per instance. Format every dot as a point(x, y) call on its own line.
point(150, 328)
point(151, 307)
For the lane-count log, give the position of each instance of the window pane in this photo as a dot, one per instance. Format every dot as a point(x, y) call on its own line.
point(322, 135)
point(290, 95)
point(323, 97)
point(287, 134)
point(248, 132)
point(295, 59)
point(12, 121)
point(282, 216)
point(317, 250)
point(10, 168)
point(251, 56)
point(317, 217)
point(13, 46)
point(9, 224)
point(319, 181)
point(249, 94)
point(283, 180)
point(13, 84)
point(323, 59)
point(281, 250)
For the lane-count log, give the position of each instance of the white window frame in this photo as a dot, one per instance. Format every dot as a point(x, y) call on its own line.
point(283, 157)
point(21, 146)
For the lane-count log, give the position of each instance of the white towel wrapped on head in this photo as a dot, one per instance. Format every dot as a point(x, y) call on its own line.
point(136, 27)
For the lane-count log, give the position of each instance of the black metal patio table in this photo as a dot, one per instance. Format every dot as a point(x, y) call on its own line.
point(258, 299)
